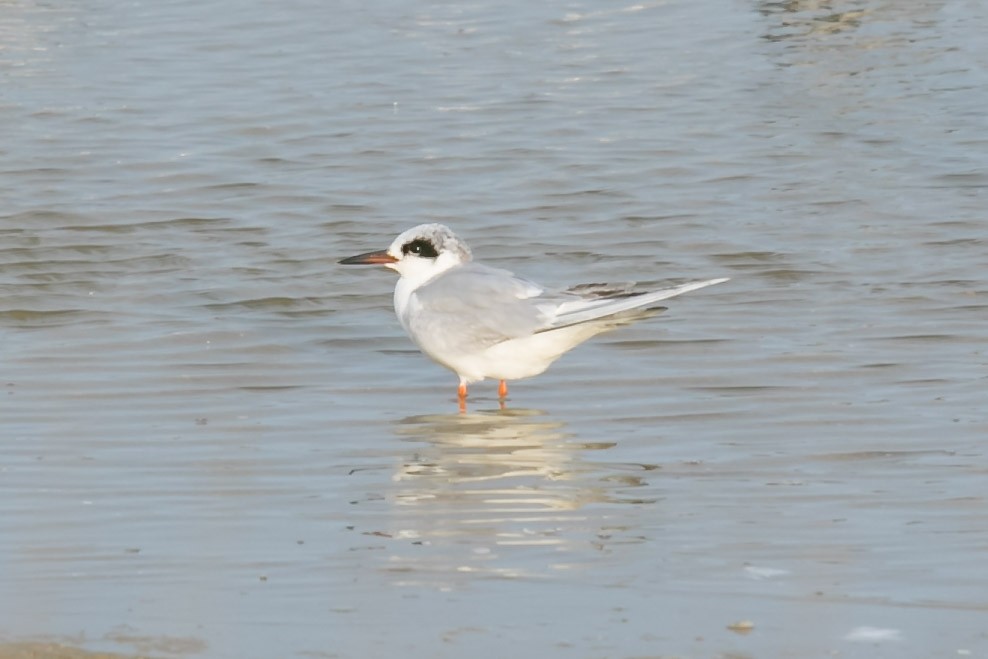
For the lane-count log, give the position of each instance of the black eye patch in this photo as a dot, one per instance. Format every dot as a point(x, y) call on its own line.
point(420, 247)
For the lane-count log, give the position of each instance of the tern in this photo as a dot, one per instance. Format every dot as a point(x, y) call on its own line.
point(482, 322)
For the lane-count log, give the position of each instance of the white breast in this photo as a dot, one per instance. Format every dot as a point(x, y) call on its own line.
point(403, 297)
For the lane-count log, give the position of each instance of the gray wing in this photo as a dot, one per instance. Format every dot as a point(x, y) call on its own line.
point(581, 309)
point(474, 306)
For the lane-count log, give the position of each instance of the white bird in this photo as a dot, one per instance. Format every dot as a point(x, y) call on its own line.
point(483, 322)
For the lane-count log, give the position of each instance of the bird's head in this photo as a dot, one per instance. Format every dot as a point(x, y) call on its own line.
point(418, 254)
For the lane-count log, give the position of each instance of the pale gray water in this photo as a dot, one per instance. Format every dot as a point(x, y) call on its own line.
point(216, 442)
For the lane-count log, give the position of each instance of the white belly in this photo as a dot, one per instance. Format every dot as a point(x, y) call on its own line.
point(515, 359)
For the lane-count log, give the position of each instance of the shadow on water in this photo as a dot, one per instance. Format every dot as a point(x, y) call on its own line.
point(506, 494)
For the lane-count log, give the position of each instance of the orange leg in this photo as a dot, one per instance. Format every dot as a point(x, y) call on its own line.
point(502, 390)
point(462, 395)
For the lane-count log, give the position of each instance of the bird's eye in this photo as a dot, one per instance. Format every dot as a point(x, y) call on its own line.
point(420, 247)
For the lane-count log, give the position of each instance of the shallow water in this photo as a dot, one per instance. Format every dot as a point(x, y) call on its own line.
point(216, 442)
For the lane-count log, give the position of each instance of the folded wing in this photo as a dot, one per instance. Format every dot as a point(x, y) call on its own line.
point(474, 306)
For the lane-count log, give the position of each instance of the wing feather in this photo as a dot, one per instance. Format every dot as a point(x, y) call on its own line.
point(475, 306)
point(582, 310)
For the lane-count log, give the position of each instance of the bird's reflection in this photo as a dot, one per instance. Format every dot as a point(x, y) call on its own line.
point(505, 493)
point(807, 20)
point(521, 445)
point(801, 18)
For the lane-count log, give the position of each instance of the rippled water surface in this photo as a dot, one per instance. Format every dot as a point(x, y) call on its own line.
point(216, 442)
